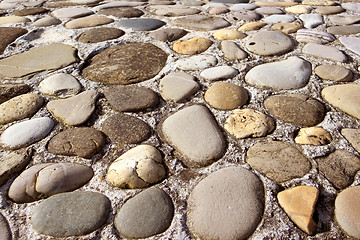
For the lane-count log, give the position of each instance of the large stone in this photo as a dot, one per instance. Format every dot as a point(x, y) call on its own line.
point(297, 109)
point(5, 232)
point(8, 35)
point(13, 163)
point(126, 63)
point(326, 52)
point(82, 142)
point(194, 133)
point(71, 12)
point(71, 214)
point(61, 85)
point(201, 22)
point(100, 34)
point(89, 21)
point(278, 161)
point(74, 110)
point(147, 214)
point(48, 57)
point(344, 30)
point(8, 91)
point(333, 73)
point(235, 196)
point(353, 136)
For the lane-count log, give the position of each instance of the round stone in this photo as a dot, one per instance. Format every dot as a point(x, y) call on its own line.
point(71, 214)
point(145, 215)
point(61, 85)
point(266, 43)
point(235, 196)
point(89, 21)
point(334, 73)
point(122, 12)
point(297, 109)
point(100, 34)
point(126, 63)
point(226, 96)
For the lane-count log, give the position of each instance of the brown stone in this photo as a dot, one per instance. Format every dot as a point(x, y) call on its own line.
point(8, 35)
point(122, 12)
point(100, 34)
point(30, 11)
point(8, 91)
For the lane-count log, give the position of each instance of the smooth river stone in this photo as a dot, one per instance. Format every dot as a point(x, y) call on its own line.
point(218, 73)
point(71, 12)
point(172, 11)
point(12, 163)
point(74, 110)
point(5, 231)
point(200, 22)
point(8, 35)
point(82, 142)
point(226, 96)
point(351, 6)
point(353, 136)
point(235, 196)
point(218, 10)
point(168, 35)
point(232, 51)
point(279, 19)
point(100, 34)
point(131, 98)
point(344, 97)
point(126, 129)
point(228, 34)
point(299, 9)
point(71, 214)
point(269, 10)
point(297, 109)
point(122, 12)
point(194, 133)
point(242, 6)
point(327, 10)
point(267, 43)
point(313, 36)
point(49, 57)
point(62, 85)
point(344, 19)
point(326, 52)
point(46, 21)
point(192, 46)
point(30, 11)
point(292, 73)
point(276, 3)
point(8, 91)
point(148, 213)
point(117, 4)
point(89, 21)
point(279, 161)
point(351, 43)
point(344, 30)
point(244, 16)
point(334, 73)
point(13, 20)
point(20, 107)
point(311, 20)
point(25, 133)
point(126, 63)
point(196, 62)
point(251, 26)
point(141, 24)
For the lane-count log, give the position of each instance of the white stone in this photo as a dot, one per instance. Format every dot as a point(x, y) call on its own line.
point(218, 73)
point(196, 62)
point(242, 6)
point(311, 20)
point(117, 4)
point(351, 6)
point(7, 5)
point(351, 43)
point(276, 18)
point(313, 36)
point(326, 52)
point(62, 85)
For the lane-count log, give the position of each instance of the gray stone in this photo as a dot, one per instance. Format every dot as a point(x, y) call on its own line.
point(344, 19)
point(278, 161)
point(74, 110)
point(141, 24)
point(311, 20)
point(353, 136)
point(131, 98)
point(82, 142)
point(344, 30)
point(276, 18)
point(194, 133)
point(196, 62)
point(117, 4)
point(100, 34)
point(351, 6)
point(8, 35)
point(313, 36)
point(168, 35)
point(242, 6)
point(172, 11)
point(326, 52)
point(247, 16)
point(230, 1)
point(334, 73)
point(71, 214)
point(8, 91)
point(145, 215)
point(235, 196)
point(200, 22)
point(25, 133)
point(89, 21)
point(351, 43)
point(71, 12)
point(5, 232)
point(122, 12)
point(45, 22)
point(13, 163)
point(232, 51)
point(269, 11)
point(218, 73)
point(61, 85)
point(291, 73)
point(326, 10)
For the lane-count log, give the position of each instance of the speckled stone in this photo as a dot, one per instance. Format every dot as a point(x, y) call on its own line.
point(8, 91)
point(192, 46)
point(246, 16)
point(226, 96)
point(313, 136)
point(100, 34)
point(8, 35)
point(333, 73)
point(122, 12)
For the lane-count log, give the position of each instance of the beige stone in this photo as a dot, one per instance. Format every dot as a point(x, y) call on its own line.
point(286, 27)
point(333, 73)
point(327, 10)
point(228, 34)
point(192, 46)
point(276, 4)
point(318, 2)
point(299, 204)
point(251, 26)
point(299, 9)
point(353, 136)
point(13, 19)
point(89, 21)
point(244, 123)
point(232, 51)
point(313, 136)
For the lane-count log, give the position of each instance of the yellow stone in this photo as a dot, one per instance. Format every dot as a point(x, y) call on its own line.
point(275, 4)
point(13, 19)
point(318, 2)
point(299, 204)
point(228, 34)
point(251, 26)
point(299, 9)
point(286, 27)
point(192, 46)
point(313, 136)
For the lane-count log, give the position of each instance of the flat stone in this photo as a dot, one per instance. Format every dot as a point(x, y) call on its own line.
point(267, 43)
point(319, 2)
point(122, 12)
point(232, 51)
point(313, 136)
point(7, 5)
point(313, 36)
point(326, 52)
point(334, 73)
point(137, 168)
point(89, 21)
point(25, 133)
point(131, 98)
point(71, 214)
point(344, 19)
point(279, 19)
point(351, 6)
point(226, 96)
point(117, 4)
point(49, 57)
point(30, 11)
point(280, 75)
point(289, 107)
point(20, 107)
point(178, 86)
point(311, 20)
point(242, 6)
point(82, 142)
point(192, 3)
point(141, 24)
point(45, 22)
point(71, 12)
point(8, 91)
point(126, 129)
point(228, 34)
point(145, 215)
point(344, 30)
point(74, 110)
point(100, 34)
point(5, 231)
point(8, 35)
point(299, 204)
point(244, 16)
point(200, 22)
point(276, 3)
point(347, 211)
point(13, 19)
point(251, 26)
point(279, 161)
point(238, 195)
point(299, 9)
point(327, 10)
point(161, 2)
point(353, 136)
point(196, 62)
point(218, 10)
point(192, 46)
point(168, 35)
point(351, 43)
point(61, 85)
point(269, 10)
point(194, 133)
point(243, 123)
point(13, 163)
point(343, 97)
point(286, 28)
point(172, 10)
point(219, 73)
point(126, 63)
point(230, 1)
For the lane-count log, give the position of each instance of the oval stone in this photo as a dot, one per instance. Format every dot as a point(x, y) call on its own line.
point(71, 214)
point(100, 34)
point(235, 196)
point(333, 73)
point(192, 46)
point(89, 21)
point(61, 85)
point(145, 215)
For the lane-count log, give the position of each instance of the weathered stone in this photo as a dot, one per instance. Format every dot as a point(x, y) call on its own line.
point(200, 22)
point(268, 10)
point(168, 35)
point(286, 27)
point(122, 12)
point(100, 34)
point(353, 136)
point(8, 91)
point(244, 16)
point(13, 163)
point(313, 136)
point(279, 18)
point(251, 26)
point(192, 46)
point(8, 35)
point(344, 19)
point(334, 73)
point(196, 62)
point(299, 9)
